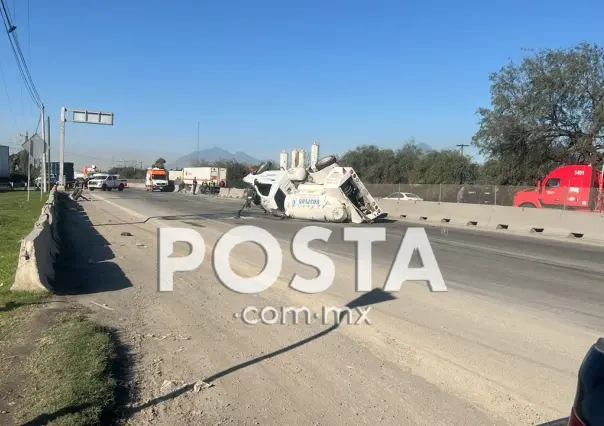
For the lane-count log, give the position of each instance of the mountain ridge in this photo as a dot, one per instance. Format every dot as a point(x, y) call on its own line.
point(212, 154)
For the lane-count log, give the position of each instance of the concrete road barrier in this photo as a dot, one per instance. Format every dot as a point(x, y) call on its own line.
point(224, 192)
point(39, 250)
point(237, 193)
point(554, 222)
point(455, 214)
point(136, 185)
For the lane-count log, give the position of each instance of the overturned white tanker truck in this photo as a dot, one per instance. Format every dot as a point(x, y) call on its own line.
point(324, 192)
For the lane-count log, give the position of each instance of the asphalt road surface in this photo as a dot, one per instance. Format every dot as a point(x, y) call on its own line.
point(502, 346)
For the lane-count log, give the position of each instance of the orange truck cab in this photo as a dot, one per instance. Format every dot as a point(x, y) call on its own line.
point(573, 187)
point(156, 179)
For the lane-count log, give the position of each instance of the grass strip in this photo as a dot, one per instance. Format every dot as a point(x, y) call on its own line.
point(70, 379)
point(17, 218)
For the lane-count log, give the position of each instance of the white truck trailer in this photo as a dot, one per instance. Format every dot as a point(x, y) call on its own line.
point(204, 174)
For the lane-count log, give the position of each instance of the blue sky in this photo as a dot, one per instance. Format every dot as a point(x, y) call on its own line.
point(267, 75)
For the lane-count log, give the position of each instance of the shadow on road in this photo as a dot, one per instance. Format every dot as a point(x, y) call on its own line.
point(82, 265)
point(371, 298)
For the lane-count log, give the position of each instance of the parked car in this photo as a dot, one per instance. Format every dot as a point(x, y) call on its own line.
point(588, 407)
point(403, 196)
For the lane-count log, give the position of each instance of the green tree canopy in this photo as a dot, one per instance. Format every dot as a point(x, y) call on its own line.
point(159, 163)
point(546, 111)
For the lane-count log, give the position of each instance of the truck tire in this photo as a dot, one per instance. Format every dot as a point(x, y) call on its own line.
point(121, 187)
point(325, 162)
point(104, 187)
point(92, 189)
point(528, 205)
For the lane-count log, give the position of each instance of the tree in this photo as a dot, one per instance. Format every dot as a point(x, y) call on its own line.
point(159, 163)
point(546, 111)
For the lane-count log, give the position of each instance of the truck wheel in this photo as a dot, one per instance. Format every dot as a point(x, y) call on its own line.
point(121, 187)
point(92, 189)
point(325, 162)
point(104, 188)
point(528, 205)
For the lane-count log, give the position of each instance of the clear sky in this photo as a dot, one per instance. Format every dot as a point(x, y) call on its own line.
point(267, 75)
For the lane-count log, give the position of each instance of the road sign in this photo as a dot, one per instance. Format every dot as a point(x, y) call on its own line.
point(92, 117)
point(38, 146)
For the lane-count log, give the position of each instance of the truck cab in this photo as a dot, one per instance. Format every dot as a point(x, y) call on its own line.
point(156, 179)
point(568, 187)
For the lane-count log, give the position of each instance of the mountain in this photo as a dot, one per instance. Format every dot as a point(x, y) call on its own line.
point(424, 147)
point(212, 154)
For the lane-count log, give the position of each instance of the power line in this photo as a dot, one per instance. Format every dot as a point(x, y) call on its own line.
point(10, 106)
point(18, 53)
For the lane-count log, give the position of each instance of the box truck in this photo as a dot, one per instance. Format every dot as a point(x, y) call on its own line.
point(4, 166)
point(204, 174)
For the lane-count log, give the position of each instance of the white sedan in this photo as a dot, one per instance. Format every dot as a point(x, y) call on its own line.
point(403, 196)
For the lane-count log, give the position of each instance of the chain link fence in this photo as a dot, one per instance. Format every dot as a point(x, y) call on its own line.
point(496, 195)
point(448, 193)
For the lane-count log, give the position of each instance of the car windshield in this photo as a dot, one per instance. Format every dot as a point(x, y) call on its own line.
point(396, 195)
point(408, 194)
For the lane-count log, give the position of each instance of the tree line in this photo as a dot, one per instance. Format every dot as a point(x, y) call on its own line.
point(546, 111)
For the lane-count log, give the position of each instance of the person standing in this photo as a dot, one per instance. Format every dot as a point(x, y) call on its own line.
point(194, 184)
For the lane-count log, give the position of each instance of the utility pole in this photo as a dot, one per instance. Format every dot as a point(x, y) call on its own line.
point(62, 148)
point(48, 140)
point(198, 143)
point(461, 145)
point(44, 172)
point(28, 163)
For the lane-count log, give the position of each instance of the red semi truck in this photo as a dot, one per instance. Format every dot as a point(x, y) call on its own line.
point(572, 187)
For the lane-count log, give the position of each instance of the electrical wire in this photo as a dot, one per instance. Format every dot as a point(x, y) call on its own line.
point(10, 106)
point(18, 53)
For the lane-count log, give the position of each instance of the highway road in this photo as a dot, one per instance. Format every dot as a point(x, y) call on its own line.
point(501, 347)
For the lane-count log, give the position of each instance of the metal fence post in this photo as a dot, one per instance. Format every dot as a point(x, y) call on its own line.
point(565, 196)
point(440, 191)
point(495, 191)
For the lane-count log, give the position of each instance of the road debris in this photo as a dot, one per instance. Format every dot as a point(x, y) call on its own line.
point(140, 245)
point(168, 386)
point(201, 385)
point(126, 234)
point(104, 306)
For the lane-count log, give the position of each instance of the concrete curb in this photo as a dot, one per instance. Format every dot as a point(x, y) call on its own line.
point(39, 250)
point(548, 222)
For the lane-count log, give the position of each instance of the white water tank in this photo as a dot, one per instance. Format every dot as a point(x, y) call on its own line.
point(294, 158)
point(283, 160)
point(302, 158)
point(314, 153)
